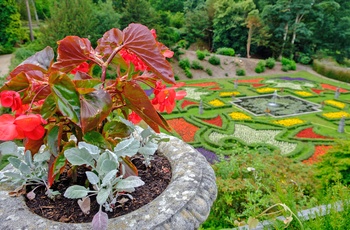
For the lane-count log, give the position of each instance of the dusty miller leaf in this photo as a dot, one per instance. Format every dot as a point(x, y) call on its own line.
point(129, 184)
point(92, 177)
point(100, 221)
point(31, 195)
point(78, 156)
point(8, 148)
point(76, 191)
point(128, 147)
point(109, 177)
point(103, 195)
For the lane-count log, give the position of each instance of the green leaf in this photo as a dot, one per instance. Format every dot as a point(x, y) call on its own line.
point(72, 51)
point(128, 147)
point(95, 107)
point(49, 107)
point(41, 61)
point(87, 83)
point(17, 83)
point(139, 39)
point(52, 140)
point(102, 195)
point(109, 177)
point(92, 177)
point(129, 184)
point(76, 191)
point(79, 157)
point(116, 129)
point(137, 100)
point(112, 39)
point(96, 138)
point(66, 96)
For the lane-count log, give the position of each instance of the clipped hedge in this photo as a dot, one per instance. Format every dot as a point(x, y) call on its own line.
point(330, 70)
point(226, 51)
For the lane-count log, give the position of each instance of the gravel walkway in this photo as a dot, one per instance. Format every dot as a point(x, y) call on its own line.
point(5, 61)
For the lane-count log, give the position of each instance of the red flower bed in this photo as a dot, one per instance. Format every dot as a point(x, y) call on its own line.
point(214, 121)
point(215, 88)
point(256, 85)
point(254, 80)
point(319, 151)
point(309, 133)
point(332, 87)
point(183, 128)
point(318, 91)
point(186, 103)
point(204, 84)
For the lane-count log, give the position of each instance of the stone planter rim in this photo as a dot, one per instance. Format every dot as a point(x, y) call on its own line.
point(185, 203)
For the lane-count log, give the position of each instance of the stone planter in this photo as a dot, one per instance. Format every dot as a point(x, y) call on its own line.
point(185, 204)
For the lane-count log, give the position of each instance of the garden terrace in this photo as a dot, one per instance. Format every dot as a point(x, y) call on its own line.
point(304, 129)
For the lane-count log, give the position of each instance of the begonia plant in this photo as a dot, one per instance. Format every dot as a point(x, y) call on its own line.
point(68, 117)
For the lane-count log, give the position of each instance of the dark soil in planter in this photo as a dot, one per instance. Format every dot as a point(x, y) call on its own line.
point(156, 178)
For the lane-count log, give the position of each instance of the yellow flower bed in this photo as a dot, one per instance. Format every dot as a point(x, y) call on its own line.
point(216, 103)
point(266, 90)
point(229, 94)
point(239, 116)
point(335, 103)
point(303, 93)
point(289, 122)
point(336, 115)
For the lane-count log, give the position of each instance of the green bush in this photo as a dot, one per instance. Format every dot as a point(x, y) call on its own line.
point(226, 51)
point(183, 44)
point(209, 72)
point(196, 65)
point(288, 64)
point(331, 70)
point(214, 60)
point(270, 63)
point(304, 59)
point(188, 73)
point(200, 54)
point(176, 77)
point(260, 67)
point(240, 72)
point(184, 63)
point(335, 165)
point(285, 68)
point(250, 183)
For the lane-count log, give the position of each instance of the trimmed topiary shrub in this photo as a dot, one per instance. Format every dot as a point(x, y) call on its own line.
point(200, 54)
point(288, 64)
point(285, 68)
point(331, 70)
point(196, 65)
point(209, 72)
point(226, 51)
point(240, 72)
point(214, 60)
point(304, 59)
point(185, 63)
point(270, 63)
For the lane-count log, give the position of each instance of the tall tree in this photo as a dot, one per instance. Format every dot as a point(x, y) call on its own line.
point(229, 23)
point(138, 11)
point(29, 21)
point(254, 23)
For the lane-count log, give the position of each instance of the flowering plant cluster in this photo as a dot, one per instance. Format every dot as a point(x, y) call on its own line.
point(72, 118)
point(303, 93)
point(216, 103)
point(289, 122)
point(335, 103)
point(229, 94)
point(336, 115)
point(266, 90)
point(239, 116)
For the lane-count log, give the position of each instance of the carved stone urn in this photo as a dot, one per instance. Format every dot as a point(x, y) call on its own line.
point(184, 205)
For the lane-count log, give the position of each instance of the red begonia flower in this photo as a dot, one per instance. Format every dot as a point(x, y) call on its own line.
point(11, 99)
point(135, 60)
point(83, 67)
point(29, 126)
point(134, 118)
point(8, 130)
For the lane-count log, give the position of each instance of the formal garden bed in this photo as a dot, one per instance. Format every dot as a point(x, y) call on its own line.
point(245, 147)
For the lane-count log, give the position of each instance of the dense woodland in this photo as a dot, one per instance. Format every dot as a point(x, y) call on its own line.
point(299, 29)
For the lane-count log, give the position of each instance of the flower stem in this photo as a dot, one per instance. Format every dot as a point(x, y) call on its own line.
point(110, 58)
